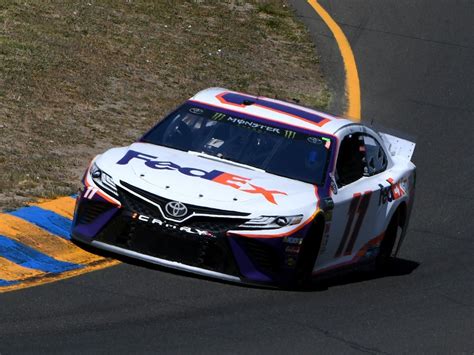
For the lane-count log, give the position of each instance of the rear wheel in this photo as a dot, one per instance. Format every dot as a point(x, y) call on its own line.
point(393, 232)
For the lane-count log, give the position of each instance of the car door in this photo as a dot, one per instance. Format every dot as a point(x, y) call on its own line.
point(361, 162)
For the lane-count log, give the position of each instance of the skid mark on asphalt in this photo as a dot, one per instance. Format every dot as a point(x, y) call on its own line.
point(35, 247)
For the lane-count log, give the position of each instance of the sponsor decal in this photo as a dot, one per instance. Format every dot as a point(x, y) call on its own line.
point(396, 188)
point(293, 240)
point(385, 194)
point(214, 143)
point(253, 125)
point(196, 110)
point(292, 249)
point(290, 261)
point(235, 181)
point(259, 127)
point(327, 142)
point(218, 116)
point(314, 140)
point(392, 192)
point(171, 226)
point(241, 122)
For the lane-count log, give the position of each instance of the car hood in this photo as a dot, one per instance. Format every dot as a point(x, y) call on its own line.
point(197, 180)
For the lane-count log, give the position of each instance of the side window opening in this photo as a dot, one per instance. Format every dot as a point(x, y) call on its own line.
point(359, 155)
point(374, 156)
point(351, 161)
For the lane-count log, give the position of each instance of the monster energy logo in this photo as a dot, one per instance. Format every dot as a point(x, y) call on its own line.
point(218, 116)
point(290, 134)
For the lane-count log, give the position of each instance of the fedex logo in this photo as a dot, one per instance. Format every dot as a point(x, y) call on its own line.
point(392, 192)
point(235, 181)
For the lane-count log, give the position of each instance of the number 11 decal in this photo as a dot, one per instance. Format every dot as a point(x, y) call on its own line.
point(359, 205)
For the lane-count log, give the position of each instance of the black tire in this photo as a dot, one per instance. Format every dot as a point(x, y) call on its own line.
point(383, 260)
point(308, 253)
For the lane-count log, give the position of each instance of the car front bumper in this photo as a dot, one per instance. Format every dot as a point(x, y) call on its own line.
point(213, 252)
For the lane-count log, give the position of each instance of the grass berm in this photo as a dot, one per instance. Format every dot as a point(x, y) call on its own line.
point(78, 77)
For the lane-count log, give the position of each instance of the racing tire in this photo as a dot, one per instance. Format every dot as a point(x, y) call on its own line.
point(308, 253)
point(384, 258)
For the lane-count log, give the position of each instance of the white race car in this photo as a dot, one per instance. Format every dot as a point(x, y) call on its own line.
point(250, 189)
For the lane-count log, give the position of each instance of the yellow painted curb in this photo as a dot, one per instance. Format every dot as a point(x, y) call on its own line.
point(48, 278)
point(352, 83)
point(43, 241)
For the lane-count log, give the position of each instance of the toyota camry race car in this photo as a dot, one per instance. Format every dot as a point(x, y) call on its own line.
point(250, 189)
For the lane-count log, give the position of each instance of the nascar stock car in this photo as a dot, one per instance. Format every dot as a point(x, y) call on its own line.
point(250, 189)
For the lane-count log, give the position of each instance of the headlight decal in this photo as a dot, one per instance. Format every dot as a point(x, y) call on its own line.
point(103, 180)
point(257, 233)
point(98, 183)
point(272, 222)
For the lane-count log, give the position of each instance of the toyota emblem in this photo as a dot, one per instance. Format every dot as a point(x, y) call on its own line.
point(176, 209)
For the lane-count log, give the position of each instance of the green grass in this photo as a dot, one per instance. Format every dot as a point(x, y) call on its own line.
point(77, 77)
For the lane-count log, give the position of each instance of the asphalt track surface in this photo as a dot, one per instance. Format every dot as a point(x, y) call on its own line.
point(415, 62)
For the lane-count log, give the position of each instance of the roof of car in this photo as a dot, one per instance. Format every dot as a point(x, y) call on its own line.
point(271, 110)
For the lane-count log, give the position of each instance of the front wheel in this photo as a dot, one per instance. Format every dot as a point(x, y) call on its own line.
point(308, 253)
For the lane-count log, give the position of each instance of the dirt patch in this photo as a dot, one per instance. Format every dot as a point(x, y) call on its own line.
point(77, 77)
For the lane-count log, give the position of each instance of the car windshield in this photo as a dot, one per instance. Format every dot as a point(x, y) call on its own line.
point(246, 140)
